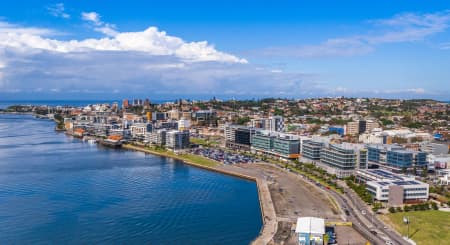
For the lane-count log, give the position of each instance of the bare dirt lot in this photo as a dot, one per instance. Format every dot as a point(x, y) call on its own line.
point(293, 197)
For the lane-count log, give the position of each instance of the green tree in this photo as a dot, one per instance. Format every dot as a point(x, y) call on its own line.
point(434, 206)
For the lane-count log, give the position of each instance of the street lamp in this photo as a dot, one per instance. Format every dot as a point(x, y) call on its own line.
point(406, 221)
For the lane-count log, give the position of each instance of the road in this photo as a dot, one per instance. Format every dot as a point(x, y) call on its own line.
point(369, 218)
point(363, 222)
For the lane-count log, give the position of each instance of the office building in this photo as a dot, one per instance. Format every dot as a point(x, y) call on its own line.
point(177, 140)
point(311, 150)
point(396, 189)
point(262, 141)
point(360, 127)
point(125, 104)
point(159, 116)
point(343, 159)
point(238, 137)
point(370, 125)
point(287, 146)
point(139, 130)
point(273, 123)
point(362, 124)
point(157, 137)
point(205, 118)
point(184, 124)
point(274, 143)
point(352, 128)
point(406, 159)
point(395, 156)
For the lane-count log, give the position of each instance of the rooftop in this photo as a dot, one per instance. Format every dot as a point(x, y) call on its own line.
point(310, 225)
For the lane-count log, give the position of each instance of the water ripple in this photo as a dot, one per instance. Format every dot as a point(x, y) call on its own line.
point(58, 190)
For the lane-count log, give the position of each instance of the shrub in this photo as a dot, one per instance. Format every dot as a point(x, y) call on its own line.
point(391, 210)
point(434, 206)
point(399, 209)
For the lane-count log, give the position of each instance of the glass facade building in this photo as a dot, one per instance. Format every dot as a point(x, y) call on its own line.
point(312, 149)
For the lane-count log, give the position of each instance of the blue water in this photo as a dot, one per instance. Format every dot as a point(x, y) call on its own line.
point(58, 190)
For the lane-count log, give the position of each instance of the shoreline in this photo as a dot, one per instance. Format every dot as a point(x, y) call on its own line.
point(269, 218)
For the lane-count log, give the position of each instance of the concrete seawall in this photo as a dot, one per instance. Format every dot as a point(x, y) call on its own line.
point(270, 223)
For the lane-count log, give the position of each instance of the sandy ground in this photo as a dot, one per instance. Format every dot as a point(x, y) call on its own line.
point(348, 236)
point(292, 198)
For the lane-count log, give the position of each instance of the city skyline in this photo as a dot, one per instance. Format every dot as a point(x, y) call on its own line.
point(74, 50)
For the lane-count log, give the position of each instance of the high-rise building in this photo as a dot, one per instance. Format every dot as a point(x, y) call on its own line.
point(205, 118)
point(370, 125)
point(158, 137)
point(174, 114)
point(352, 128)
point(184, 124)
point(238, 137)
point(147, 103)
point(274, 123)
point(362, 125)
point(177, 140)
point(125, 104)
point(158, 116)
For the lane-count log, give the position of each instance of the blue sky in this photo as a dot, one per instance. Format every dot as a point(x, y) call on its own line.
point(200, 49)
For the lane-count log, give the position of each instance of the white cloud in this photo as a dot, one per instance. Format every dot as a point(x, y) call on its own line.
point(99, 26)
point(407, 90)
point(7, 28)
point(148, 62)
point(150, 41)
point(92, 17)
point(417, 90)
point(58, 10)
point(408, 27)
point(331, 47)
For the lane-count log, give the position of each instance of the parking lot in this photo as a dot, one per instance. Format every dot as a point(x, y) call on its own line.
point(222, 156)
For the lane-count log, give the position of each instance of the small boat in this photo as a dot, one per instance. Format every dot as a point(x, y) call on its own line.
point(92, 141)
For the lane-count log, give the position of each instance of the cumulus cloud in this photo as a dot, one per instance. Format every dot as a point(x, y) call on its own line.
point(150, 41)
point(149, 62)
point(58, 10)
point(136, 62)
point(407, 27)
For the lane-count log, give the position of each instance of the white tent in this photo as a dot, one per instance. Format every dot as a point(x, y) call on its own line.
point(310, 225)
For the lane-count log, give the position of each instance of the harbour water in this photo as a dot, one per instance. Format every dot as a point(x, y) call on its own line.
point(58, 190)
